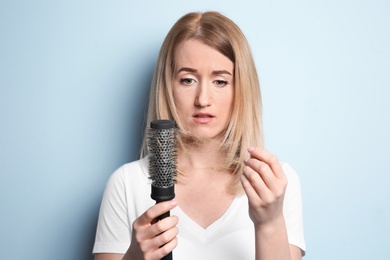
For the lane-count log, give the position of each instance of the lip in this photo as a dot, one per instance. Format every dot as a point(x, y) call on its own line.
point(203, 118)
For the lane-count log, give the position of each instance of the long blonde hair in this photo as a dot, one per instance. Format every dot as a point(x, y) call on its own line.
point(222, 34)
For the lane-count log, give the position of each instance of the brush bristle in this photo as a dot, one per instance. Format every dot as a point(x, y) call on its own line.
point(162, 157)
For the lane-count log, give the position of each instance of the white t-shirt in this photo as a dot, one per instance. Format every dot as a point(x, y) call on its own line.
point(127, 196)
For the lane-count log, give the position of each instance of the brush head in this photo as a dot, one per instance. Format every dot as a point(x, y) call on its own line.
point(162, 158)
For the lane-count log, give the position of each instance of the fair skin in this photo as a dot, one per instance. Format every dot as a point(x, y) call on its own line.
point(203, 91)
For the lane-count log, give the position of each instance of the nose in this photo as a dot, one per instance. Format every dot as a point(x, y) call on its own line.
point(203, 95)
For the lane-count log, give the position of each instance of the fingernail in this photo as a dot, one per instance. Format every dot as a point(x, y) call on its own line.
point(173, 202)
point(251, 149)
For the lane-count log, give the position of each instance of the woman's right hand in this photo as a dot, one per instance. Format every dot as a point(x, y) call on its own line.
point(153, 240)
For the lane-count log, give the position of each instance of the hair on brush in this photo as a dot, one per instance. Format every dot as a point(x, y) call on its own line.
point(162, 159)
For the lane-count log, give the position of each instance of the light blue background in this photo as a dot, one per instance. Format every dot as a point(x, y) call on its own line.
point(74, 84)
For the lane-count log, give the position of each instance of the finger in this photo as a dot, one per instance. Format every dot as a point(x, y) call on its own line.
point(165, 237)
point(152, 237)
point(265, 172)
point(166, 249)
point(256, 182)
point(162, 226)
point(155, 211)
point(164, 243)
point(269, 159)
point(249, 189)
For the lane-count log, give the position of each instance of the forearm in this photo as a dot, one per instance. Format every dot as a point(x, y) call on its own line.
point(108, 256)
point(272, 241)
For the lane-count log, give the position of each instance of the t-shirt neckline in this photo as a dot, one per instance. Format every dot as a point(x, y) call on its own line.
point(207, 233)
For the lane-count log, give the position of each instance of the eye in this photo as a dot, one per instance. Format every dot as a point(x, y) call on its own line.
point(187, 81)
point(221, 83)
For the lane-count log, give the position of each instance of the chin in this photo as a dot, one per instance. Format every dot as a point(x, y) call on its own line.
point(205, 137)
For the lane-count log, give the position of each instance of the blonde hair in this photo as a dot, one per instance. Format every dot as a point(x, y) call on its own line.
point(222, 34)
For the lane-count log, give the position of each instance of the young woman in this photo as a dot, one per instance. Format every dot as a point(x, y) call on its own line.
point(234, 200)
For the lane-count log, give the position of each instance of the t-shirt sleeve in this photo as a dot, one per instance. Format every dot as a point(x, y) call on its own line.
point(292, 209)
point(113, 228)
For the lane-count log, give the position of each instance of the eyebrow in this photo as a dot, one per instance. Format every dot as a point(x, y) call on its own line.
point(215, 72)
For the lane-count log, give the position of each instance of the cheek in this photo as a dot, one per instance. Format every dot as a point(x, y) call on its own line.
point(228, 103)
point(176, 98)
point(181, 107)
point(179, 104)
point(183, 100)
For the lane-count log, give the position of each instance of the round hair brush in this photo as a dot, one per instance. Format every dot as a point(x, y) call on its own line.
point(162, 162)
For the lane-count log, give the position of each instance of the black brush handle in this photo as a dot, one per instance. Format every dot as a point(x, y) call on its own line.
point(162, 163)
point(163, 194)
point(167, 257)
point(165, 215)
point(160, 195)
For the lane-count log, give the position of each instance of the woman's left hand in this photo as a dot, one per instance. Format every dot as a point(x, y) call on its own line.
point(265, 184)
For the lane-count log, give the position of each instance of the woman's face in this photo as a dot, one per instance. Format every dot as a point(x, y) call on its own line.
point(203, 89)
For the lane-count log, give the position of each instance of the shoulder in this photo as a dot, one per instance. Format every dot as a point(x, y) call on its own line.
point(293, 197)
point(292, 208)
point(129, 187)
point(135, 169)
point(133, 173)
point(291, 174)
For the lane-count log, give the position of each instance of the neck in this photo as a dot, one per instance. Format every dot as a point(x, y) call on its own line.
point(204, 155)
